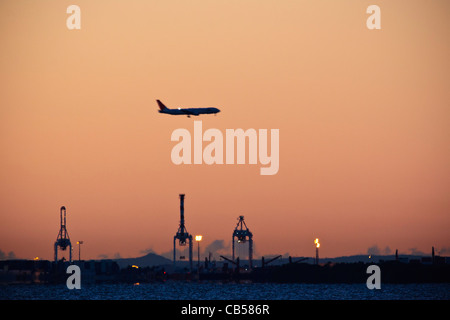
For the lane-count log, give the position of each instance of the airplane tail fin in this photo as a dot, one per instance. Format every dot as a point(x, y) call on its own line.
point(161, 105)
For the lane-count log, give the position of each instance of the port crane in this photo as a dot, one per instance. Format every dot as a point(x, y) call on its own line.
point(182, 235)
point(243, 234)
point(63, 239)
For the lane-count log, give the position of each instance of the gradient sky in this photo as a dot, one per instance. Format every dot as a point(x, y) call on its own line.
point(364, 120)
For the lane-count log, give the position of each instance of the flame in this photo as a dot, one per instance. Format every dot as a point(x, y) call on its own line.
point(317, 243)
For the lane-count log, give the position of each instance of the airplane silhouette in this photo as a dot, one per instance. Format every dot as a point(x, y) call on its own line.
point(186, 111)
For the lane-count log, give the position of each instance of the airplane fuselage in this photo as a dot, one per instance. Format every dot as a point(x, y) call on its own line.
point(190, 111)
point(186, 111)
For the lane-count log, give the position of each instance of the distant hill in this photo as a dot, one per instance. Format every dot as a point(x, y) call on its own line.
point(343, 259)
point(153, 259)
point(148, 260)
point(371, 258)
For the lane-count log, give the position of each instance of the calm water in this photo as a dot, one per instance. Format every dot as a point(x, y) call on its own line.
point(224, 291)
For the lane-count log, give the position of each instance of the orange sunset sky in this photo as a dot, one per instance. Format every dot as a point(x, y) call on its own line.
point(364, 120)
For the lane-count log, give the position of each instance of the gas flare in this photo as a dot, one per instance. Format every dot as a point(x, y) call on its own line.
point(317, 243)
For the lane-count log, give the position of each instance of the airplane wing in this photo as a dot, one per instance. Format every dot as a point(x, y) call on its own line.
point(192, 112)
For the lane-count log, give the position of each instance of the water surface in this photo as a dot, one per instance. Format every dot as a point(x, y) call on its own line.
point(172, 290)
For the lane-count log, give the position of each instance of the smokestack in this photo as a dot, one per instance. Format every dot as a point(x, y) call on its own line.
point(432, 254)
point(317, 250)
point(182, 209)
